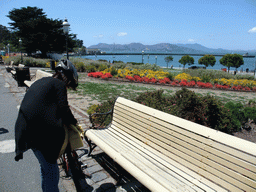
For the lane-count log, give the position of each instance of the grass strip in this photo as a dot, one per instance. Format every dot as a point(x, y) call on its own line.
point(105, 91)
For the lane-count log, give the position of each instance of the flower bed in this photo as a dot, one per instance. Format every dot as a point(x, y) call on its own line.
point(184, 80)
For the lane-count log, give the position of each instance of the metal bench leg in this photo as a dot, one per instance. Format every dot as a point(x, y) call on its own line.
point(91, 146)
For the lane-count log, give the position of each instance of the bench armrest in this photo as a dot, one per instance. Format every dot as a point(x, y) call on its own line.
point(103, 117)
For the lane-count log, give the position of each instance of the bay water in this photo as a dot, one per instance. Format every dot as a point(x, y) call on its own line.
point(159, 60)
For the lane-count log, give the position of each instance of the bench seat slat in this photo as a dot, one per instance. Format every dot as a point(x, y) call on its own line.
point(172, 165)
point(206, 169)
point(156, 129)
point(144, 163)
point(152, 184)
point(192, 156)
point(185, 160)
point(157, 159)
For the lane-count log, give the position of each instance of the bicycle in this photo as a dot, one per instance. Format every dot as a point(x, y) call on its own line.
point(74, 168)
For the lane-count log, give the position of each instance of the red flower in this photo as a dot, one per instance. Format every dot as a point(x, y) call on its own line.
point(174, 83)
point(165, 81)
point(246, 89)
point(130, 78)
point(183, 83)
point(221, 86)
point(106, 75)
point(191, 83)
point(95, 74)
point(153, 80)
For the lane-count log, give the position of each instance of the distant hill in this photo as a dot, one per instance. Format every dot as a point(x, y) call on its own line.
point(199, 47)
point(138, 47)
point(165, 47)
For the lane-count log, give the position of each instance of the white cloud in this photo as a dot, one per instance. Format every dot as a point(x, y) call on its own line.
point(100, 36)
point(253, 30)
point(191, 40)
point(121, 34)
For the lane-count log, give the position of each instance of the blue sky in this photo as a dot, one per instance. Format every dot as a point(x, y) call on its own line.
point(227, 24)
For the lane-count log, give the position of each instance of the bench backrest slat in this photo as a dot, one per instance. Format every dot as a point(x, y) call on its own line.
point(40, 74)
point(196, 142)
point(204, 153)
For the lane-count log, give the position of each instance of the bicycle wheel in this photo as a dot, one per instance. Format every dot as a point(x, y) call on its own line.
point(77, 173)
point(65, 165)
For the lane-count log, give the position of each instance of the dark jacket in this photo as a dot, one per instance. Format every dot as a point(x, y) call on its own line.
point(43, 111)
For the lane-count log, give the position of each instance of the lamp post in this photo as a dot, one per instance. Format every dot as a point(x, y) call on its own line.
point(142, 56)
point(66, 25)
point(21, 51)
point(156, 59)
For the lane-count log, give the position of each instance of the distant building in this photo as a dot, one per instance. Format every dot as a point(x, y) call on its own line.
point(93, 51)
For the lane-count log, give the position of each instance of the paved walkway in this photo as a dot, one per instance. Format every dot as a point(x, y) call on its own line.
point(102, 171)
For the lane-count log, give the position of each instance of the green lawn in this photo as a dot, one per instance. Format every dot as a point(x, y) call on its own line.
point(104, 91)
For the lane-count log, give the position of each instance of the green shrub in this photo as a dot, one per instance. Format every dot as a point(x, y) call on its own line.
point(134, 63)
point(154, 99)
point(148, 66)
point(92, 109)
point(80, 66)
point(237, 111)
point(252, 103)
point(16, 60)
point(102, 60)
point(248, 77)
point(90, 68)
point(102, 108)
point(211, 74)
point(250, 113)
point(170, 76)
point(102, 67)
point(206, 79)
point(204, 110)
point(118, 61)
point(119, 65)
point(114, 71)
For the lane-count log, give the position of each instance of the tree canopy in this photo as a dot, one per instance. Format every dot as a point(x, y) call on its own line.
point(207, 60)
point(39, 33)
point(5, 35)
point(168, 59)
point(186, 59)
point(232, 60)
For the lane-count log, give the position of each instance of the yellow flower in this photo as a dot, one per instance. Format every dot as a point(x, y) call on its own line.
point(182, 76)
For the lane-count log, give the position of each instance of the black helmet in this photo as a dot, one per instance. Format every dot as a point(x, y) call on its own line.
point(66, 67)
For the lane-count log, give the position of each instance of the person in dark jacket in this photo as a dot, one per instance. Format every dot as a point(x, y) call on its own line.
point(39, 126)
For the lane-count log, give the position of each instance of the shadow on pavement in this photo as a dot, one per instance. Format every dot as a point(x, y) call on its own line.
point(3, 130)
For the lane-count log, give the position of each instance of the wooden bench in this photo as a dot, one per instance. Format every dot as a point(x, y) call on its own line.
point(13, 71)
point(39, 74)
point(168, 153)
